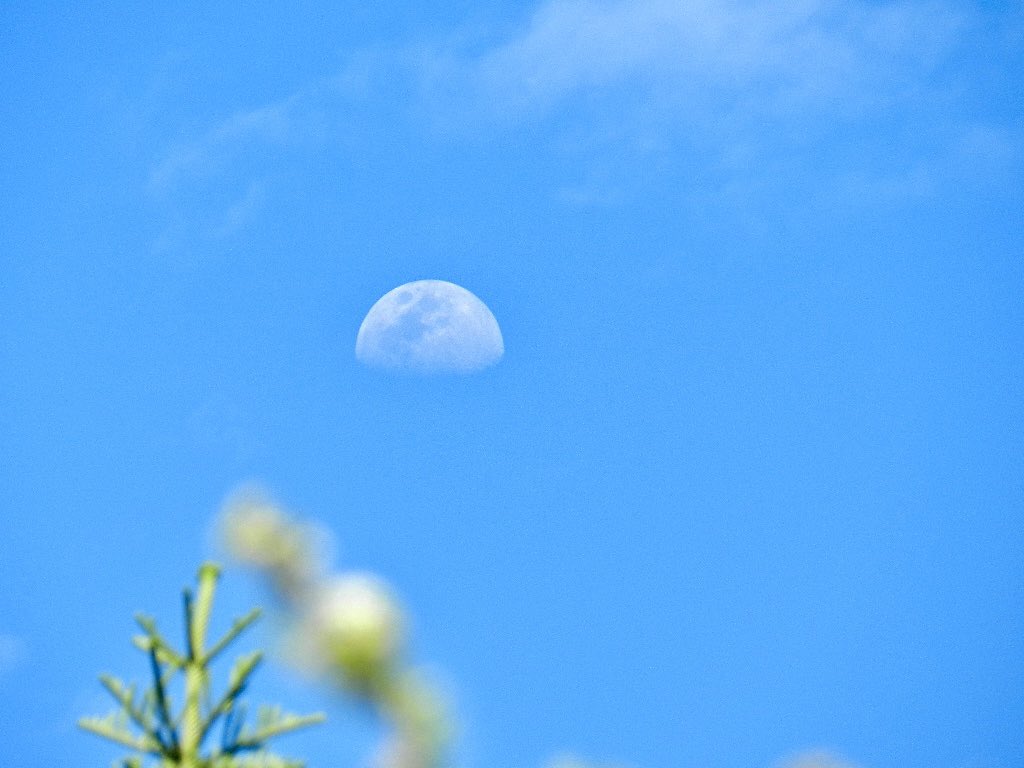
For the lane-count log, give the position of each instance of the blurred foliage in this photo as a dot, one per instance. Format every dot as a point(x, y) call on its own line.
point(350, 630)
point(345, 628)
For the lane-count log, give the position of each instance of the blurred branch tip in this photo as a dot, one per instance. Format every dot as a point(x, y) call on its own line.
point(149, 725)
point(346, 629)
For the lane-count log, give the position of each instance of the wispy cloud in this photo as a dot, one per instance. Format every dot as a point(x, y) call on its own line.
point(758, 90)
point(974, 155)
point(275, 123)
point(306, 117)
point(773, 56)
point(12, 650)
point(242, 210)
point(211, 184)
point(818, 758)
point(684, 63)
point(221, 215)
point(264, 123)
point(747, 81)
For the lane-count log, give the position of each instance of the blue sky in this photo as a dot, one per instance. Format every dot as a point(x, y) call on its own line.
point(749, 478)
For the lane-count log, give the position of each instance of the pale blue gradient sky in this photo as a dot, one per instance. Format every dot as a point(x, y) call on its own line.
point(749, 479)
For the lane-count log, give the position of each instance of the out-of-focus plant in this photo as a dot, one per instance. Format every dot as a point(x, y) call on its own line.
point(347, 628)
point(148, 724)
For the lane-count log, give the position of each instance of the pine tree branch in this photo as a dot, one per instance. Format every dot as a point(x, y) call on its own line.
point(177, 740)
point(239, 626)
point(163, 711)
point(281, 725)
point(125, 696)
point(240, 675)
point(153, 637)
point(108, 729)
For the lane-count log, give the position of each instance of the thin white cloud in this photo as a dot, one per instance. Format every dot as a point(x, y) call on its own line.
point(786, 52)
point(301, 117)
point(272, 123)
point(759, 90)
point(680, 62)
point(226, 160)
point(219, 161)
point(242, 210)
point(747, 82)
point(308, 115)
point(975, 155)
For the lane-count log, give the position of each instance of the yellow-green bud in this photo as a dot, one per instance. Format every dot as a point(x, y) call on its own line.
point(359, 629)
point(255, 532)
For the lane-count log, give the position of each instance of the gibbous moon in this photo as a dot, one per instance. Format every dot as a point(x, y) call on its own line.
point(429, 326)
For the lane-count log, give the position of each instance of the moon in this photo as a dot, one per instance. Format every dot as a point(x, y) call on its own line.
point(427, 327)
